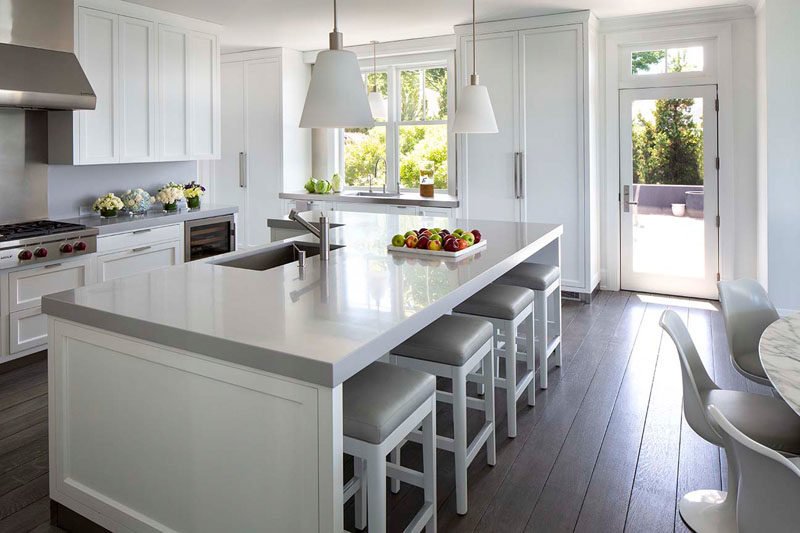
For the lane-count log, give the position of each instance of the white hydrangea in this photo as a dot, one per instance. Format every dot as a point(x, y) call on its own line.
point(170, 193)
point(108, 202)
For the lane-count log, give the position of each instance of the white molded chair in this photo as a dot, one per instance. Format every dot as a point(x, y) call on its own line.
point(747, 312)
point(766, 419)
point(769, 483)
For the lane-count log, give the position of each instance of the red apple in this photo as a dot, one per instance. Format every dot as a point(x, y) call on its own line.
point(451, 245)
point(422, 244)
point(477, 235)
point(411, 241)
point(434, 245)
point(428, 233)
point(462, 244)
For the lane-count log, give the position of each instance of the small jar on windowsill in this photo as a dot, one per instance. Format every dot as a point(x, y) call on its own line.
point(426, 179)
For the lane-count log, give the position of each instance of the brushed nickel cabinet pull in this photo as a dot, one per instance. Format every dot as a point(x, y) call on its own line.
point(141, 249)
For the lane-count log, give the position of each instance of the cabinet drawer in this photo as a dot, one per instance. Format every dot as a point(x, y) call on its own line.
point(435, 212)
point(27, 329)
point(138, 260)
point(135, 239)
point(402, 209)
point(26, 287)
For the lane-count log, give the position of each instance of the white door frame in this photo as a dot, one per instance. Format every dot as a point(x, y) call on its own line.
point(663, 283)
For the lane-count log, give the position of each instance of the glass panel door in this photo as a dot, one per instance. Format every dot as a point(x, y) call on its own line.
point(668, 190)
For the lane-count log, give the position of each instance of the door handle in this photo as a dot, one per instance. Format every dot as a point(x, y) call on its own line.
point(626, 199)
point(516, 175)
point(140, 249)
point(522, 184)
point(242, 169)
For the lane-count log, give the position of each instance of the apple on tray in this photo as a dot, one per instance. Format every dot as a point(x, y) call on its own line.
point(477, 235)
point(411, 241)
point(398, 240)
point(434, 245)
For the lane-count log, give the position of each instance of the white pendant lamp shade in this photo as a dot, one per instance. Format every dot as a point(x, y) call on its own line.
point(475, 113)
point(336, 96)
point(378, 106)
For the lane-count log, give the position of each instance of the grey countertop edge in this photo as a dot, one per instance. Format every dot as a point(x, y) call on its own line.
point(125, 222)
point(440, 200)
point(288, 365)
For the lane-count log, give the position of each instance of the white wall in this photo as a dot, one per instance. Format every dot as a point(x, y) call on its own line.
point(779, 150)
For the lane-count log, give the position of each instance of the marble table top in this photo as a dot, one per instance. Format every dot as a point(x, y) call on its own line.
point(779, 349)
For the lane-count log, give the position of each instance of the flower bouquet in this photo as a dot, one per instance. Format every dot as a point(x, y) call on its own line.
point(108, 205)
point(169, 195)
point(137, 201)
point(193, 191)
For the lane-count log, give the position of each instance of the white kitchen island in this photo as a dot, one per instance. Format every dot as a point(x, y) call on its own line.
point(208, 398)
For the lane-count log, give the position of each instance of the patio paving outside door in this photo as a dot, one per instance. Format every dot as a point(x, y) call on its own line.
point(668, 190)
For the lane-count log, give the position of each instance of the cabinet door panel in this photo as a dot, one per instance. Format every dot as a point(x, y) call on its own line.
point(202, 123)
point(173, 87)
point(137, 261)
point(97, 52)
point(552, 88)
point(27, 286)
point(489, 169)
point(137, 89)
point(262, 84)
point(28, 329)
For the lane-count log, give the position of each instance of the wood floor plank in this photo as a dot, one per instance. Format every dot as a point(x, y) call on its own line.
point(516, 497)
point(22, 447)
point(484, 481)
point(22, 474)
point(23, 496)
point(653, 497)
point(562, 496)
point(30, 518)
point(25, 390)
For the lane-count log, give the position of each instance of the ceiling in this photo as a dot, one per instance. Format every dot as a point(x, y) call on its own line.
point(305, 24)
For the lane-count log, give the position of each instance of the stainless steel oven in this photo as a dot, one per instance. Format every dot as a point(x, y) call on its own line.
point(206, 237)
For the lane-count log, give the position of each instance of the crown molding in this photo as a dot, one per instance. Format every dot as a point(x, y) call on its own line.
point(677, 18)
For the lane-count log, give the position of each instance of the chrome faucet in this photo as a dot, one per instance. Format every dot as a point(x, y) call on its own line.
point(321, 233)
point(375, 173)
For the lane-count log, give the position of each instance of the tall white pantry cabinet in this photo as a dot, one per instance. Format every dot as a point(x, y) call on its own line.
point(156, 77)
point(541, 75)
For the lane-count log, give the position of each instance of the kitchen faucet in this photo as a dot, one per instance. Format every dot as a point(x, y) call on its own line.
point(321, 233)
point(375, 173)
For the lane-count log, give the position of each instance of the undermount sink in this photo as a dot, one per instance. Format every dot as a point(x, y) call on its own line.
point(272, 257)
point(378, 194)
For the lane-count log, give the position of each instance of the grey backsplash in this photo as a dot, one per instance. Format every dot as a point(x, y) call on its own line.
point(71, 187)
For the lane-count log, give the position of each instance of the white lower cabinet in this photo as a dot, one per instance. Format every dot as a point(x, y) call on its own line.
point(402, 209)
point(138, 260)
point(359, 207)
point(28, 329)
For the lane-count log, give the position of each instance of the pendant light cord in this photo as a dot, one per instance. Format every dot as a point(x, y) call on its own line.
point(374, 68)
point(335, 25)
point(474, 54)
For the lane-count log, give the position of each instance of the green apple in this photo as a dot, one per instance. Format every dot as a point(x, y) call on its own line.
point(410, 233)
point(398, 240)
point(435, 237)
point(458, 232)
point(469, 237)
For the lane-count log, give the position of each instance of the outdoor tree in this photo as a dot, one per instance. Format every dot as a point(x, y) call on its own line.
point(668, 146)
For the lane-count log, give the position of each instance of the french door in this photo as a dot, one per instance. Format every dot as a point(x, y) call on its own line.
point(668, 190)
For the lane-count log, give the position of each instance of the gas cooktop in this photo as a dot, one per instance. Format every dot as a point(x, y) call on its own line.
point(37, 228)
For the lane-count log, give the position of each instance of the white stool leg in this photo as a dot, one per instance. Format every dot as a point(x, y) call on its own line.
point(460, 437)
point(360, 471)
point(511, 377)
point(557, 320)
point(481, 388)
point(540, 307)
point(488, 380)
point(429, 463)
point(394, 457)
point(530, 360)
point(376, 489)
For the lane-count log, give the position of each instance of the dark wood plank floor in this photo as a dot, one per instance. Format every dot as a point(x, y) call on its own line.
point(605, 449)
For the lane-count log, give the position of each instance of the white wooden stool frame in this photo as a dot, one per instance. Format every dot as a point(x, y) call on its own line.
point(464, 452)
point(506, 347)
point(368, 484)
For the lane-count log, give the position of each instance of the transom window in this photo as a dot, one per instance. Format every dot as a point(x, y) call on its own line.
point(667, 60)
point(413, 138)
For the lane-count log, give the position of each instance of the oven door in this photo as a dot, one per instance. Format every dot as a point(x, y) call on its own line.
point(207, 237)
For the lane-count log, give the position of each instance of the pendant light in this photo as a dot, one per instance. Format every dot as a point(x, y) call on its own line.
point(474, 113)
point(336, 96)
point(378, 106)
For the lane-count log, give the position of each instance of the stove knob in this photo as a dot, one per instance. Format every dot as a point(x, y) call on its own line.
point(80, 246)
point(40, 252)
point(66, 248)
point(25, 255)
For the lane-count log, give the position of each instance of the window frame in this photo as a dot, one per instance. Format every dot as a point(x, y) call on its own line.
point(393, 65)
point(628, 79)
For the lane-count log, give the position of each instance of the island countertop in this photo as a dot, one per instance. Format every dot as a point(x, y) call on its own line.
point(319, 325)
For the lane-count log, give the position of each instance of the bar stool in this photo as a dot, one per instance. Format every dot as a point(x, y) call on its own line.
point(508, 308)
point(453, 347)
point(543, 280)
point(381, 405)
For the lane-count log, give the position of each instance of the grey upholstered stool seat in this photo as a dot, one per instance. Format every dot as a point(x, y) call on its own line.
point(544, 280)
point(382, 404)
point(535, 276)
point(497, 301)
point(766, 420)
point(454, 347)
point(510, 310)
point(450, 340)
point(379, 398)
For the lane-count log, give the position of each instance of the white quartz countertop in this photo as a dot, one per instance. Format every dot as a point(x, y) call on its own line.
point(154, 217)
point(321, 325)
point(406, 198)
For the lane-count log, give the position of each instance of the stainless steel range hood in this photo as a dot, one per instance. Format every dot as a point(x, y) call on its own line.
point(35, 78)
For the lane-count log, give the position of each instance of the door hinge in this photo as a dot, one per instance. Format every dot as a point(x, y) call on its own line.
point(717, 163)
point(716, 104)
point(718, 278)
point(717, 220)
point(619, 197)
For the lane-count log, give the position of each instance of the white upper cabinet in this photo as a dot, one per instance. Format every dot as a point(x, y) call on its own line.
point(156, 76)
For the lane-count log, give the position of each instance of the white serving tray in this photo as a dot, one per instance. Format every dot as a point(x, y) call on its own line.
point(475, 248)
